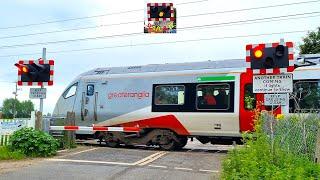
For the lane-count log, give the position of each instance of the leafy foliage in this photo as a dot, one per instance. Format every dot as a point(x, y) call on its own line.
point(249, 102)
point(6, 154)
point(262, 159)
point(33, 143)
point(23, 109)
point(311, 43)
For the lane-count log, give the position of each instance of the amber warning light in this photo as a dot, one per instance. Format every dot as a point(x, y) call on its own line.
point(258, 52)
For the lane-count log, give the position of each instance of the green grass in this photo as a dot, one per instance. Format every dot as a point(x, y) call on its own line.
point(256, 161)
point(6, 154)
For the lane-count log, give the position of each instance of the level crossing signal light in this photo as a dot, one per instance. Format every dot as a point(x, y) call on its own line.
point(35, 73)
point(269, 57)
point(160, 11)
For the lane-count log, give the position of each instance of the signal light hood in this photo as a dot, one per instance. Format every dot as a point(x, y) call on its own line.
point(22, 68)
point(279, 51)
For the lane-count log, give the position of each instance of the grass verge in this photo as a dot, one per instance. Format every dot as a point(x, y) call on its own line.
point(264, 157)
point(6, 154)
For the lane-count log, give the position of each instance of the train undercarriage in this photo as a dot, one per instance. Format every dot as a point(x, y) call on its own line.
point(164, 138)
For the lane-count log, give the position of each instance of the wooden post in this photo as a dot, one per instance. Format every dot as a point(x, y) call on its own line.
point(38, 124)
point(69, 136)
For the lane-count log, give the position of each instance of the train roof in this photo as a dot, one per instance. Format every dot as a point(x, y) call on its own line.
point(219, 64)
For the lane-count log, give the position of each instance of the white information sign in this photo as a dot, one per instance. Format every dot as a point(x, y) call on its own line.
point(7, 127)
point(275, 99)
point(280, 83)
point(37, 93)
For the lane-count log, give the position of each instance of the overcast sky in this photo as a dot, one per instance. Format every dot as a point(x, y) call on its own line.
point(70, 64)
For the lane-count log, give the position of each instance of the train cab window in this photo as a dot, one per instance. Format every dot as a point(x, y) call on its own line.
point(71, 91)
point(169, 95)
point(213, 96)
point(90, 89)
point(249, 97)
point(305, 96)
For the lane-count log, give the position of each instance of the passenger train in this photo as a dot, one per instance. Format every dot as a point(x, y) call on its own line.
point(211, 101)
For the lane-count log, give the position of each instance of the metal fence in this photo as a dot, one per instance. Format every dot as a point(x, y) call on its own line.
point(295, 134)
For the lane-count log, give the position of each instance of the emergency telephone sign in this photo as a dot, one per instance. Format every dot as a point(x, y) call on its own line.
point(275, 99)
point(38, 93)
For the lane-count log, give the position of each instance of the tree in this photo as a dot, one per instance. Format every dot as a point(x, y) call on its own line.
point(311, 43)
point(23, 109)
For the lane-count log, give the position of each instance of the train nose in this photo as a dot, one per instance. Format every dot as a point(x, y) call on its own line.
point(55, 111)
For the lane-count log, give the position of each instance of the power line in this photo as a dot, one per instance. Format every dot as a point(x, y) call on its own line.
point(254, 22)
point(139, 33)
point(133, 22)
point(89, 17)
point(7, 82)
point(72, 29)
point(100, 26)
point(167, 42)
point(255, 8)
point(191, 2)
point(292, 16)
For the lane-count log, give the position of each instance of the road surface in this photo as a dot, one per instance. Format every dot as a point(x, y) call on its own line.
point(195, 161)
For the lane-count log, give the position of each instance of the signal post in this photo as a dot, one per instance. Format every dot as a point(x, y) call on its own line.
point(271, 66)
point(36, 73)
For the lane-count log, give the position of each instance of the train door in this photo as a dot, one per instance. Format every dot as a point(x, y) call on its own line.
point(89, 102)
point(249, 102)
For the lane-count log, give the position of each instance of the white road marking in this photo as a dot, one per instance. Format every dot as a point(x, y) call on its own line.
point(157, 166)
point(150, 158)
point(180, 168)
point(87, 150)
point(205, 170)
point(94, 162)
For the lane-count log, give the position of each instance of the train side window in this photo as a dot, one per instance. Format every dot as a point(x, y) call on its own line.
point(169, 95)
point(90, 90)
point(305, 96)
point(213, 96)
point(249, 97)
point(71, 91)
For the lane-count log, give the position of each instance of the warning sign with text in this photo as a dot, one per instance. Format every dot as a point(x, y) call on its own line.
point(37, 93)
point(276, 99)
point(280, 83)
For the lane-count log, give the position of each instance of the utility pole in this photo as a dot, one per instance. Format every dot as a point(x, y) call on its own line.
point(41, 99)
point(39, 119)
point(15, 99)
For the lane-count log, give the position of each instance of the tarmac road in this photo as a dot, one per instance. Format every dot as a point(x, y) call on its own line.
point(195, 161)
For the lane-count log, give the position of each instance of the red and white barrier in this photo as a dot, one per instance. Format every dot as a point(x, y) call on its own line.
point(95, 128)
